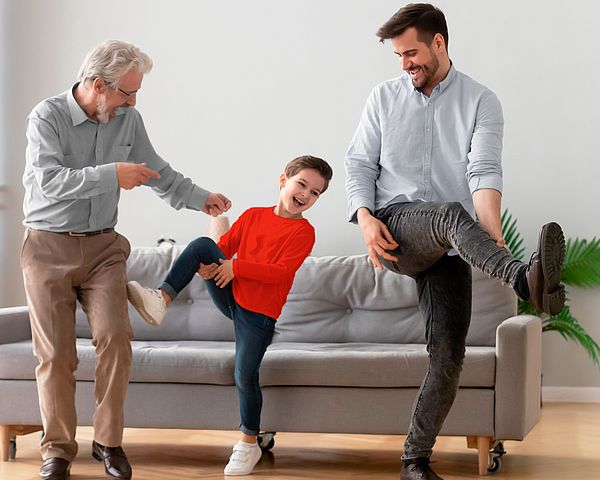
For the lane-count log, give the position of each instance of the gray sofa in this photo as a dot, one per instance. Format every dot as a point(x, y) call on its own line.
point(347, 357)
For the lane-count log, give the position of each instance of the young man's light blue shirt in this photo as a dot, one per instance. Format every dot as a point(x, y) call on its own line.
point(409, 147)
point(70, 173)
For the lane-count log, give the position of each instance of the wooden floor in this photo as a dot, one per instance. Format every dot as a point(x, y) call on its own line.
point(564, 445)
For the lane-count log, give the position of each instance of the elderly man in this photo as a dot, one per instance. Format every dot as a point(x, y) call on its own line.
point(84, 145)
point(424, 161)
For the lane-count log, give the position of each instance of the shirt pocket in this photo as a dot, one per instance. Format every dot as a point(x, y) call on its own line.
point(121, 154)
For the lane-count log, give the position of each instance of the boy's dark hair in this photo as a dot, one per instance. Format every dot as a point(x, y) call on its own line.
point(308, 161)
point(424, 17)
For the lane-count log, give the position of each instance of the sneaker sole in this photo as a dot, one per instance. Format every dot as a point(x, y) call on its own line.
point(552, 248)
point(240, 473)
point(136, 300)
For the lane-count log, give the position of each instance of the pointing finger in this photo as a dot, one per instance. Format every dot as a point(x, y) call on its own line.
point(148, 172)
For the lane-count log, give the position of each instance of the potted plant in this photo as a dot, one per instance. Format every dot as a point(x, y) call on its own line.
point(581, 268)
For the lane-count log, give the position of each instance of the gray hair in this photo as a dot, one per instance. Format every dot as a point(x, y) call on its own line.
point(113, 59)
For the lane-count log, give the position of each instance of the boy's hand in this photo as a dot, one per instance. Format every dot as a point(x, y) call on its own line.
point(207, 272)
point(216, 204)
point(224, 273)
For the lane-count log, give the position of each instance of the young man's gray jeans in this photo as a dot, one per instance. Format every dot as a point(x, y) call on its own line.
point(425, 233)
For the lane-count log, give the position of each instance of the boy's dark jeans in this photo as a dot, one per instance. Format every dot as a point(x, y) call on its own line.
point(253, 331)
point(425, 232)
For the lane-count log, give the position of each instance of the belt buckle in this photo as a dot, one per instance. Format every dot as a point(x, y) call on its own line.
point(75, 234)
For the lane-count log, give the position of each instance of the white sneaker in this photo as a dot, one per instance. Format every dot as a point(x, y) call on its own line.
point(243, 459)
point(149, 302)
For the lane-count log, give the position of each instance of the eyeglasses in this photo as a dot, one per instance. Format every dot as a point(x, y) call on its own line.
point(127, 95)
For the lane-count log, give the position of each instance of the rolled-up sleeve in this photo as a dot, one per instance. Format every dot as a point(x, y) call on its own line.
point(484, 169)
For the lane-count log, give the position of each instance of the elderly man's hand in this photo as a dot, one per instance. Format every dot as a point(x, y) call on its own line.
point(131, 175)
point(216, 204)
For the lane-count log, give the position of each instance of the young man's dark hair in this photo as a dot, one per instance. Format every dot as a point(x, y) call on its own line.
point(424, 17)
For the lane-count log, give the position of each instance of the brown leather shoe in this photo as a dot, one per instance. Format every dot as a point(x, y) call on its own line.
point(418, 471)
point(55, 468)
point(546, 293)
point(115, 461)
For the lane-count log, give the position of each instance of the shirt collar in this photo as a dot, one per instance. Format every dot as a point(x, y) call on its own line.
point(440, 87)
point(78, 115)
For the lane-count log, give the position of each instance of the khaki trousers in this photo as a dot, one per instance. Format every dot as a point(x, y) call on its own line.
point(58, 271)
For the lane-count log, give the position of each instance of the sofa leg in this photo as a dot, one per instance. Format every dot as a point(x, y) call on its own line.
point(7, 431)
point(483, 453)
point(4, 442)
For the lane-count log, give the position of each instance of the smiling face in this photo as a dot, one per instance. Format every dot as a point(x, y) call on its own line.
point(427, 65)
point(299, 192)
point(109, 100)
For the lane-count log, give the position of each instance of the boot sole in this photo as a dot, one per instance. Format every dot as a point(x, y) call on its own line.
point(551, 246)
point(136, 300)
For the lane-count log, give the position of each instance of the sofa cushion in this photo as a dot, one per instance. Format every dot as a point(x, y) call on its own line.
point(333, 299)
point(191, 316)
point(168, 362)
point(306, 364)
point(377, 365)
point(344, 299)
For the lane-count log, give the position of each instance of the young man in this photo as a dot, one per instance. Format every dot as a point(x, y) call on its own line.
point(271, 243)
point(84, 145)
point(426, 158)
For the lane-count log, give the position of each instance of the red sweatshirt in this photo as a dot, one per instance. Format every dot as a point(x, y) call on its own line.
point(270, 249)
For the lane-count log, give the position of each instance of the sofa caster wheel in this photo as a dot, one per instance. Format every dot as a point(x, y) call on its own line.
point(495, 466)
point(495, 459)
point(266, 440)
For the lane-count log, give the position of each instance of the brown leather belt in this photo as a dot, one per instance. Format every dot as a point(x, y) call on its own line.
point(88, 234)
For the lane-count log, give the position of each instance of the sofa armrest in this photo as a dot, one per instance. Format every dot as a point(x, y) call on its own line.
point(14, 324)
point(518, 376)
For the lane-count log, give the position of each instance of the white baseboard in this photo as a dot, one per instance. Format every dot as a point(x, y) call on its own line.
point(571, 394)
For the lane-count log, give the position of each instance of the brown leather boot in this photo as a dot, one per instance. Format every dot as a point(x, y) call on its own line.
point(546, 293)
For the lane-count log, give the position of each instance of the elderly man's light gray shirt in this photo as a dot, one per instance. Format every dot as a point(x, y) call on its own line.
point(411, 148)
point(70, 173)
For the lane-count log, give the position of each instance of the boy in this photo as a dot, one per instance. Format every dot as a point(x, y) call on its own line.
point(271, 243)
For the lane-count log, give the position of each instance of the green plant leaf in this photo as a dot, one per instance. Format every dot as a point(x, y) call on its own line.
point(514, 240)
point(581, 268)
point(570, 329)
point(526, 308)
point(582, 263)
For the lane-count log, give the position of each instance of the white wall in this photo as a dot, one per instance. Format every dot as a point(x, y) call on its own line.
point(5, 265)
point(241, 87)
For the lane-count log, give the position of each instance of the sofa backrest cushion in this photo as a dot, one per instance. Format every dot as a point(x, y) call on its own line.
point(333, 299)
point(192, 316)
point(345, 299)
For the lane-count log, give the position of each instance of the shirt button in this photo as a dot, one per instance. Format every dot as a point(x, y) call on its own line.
point(348, 311)
point(189, 301)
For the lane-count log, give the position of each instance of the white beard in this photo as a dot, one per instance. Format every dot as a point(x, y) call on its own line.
point(102, 114)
